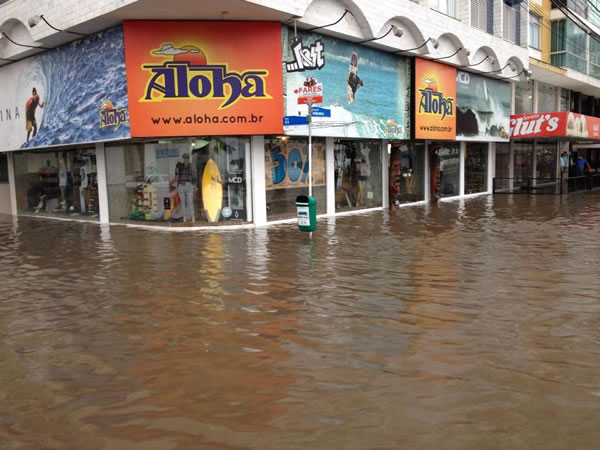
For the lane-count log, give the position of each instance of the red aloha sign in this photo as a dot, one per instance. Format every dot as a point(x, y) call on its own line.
point(554, 124)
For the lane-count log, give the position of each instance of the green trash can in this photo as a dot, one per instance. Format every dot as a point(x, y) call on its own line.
point(306, 209)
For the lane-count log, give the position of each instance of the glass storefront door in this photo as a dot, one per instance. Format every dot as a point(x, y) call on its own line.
point(545, 160)
point(445, 169)
point(357, 174)
point(406, 173)
point(523, 162)
point(476, 166)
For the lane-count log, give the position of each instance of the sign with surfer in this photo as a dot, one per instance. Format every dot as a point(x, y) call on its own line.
point(44, 96)
point(204, 78)
point(365, 91)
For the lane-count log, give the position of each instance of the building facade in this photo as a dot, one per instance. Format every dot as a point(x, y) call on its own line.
point(556, 110)
point(118, 114)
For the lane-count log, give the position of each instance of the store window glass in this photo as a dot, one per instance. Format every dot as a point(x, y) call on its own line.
point(407, 173)
point(524, 97)
point(523, 160)
point(357, 174)
point(197, 180)
point(59, 183)
point(286, 175)
point(445, 169)
point(547, 97)
point(476, 167)
point(545, 160)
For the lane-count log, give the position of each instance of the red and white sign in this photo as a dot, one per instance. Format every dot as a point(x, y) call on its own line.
point(554, 124)
point(310, 92)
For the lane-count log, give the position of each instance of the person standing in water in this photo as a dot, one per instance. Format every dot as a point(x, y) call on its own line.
point(30, 108)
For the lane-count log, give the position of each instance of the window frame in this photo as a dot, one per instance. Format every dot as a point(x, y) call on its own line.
point(537, 24)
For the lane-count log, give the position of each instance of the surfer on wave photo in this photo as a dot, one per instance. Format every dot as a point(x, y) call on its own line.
point(354, 82)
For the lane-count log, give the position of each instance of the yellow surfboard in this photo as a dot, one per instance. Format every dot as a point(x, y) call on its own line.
point(212, 191)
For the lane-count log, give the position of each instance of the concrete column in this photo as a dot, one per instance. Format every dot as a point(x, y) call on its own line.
point(461, 176)
point(259, 194)
point(558, 97)
point(11, 184)
point(491, 167)
point(498, 18)
point(385, 164)
point(427, 176)
point(535, 96)
point(511, 165)
point(330, 175)
point(534, 162)
point(102, 183)
point(513, 97)
point(248, 179)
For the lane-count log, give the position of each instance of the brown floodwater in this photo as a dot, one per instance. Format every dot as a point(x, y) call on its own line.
point(468, 325)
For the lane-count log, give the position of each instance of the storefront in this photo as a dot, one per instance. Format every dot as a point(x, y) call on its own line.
point(483, 122)
point(460, 117)
point(57, 106)
point(171, 136)
point(361, 119)
point(540, 140)
point(160, 123)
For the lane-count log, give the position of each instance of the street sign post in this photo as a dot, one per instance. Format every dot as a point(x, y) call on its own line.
point(321, 112)
point(294, 120)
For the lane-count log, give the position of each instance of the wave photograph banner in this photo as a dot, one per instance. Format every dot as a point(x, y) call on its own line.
point(361, 92)
point(482, 108)
point(73, 94)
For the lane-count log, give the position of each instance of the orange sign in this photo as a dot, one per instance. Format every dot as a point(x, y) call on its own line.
point(435, 100)
point(196, 78)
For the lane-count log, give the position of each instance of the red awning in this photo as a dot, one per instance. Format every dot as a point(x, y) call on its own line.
point(555, 125)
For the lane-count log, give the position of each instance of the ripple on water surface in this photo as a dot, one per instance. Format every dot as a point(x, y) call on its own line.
point(465, 325)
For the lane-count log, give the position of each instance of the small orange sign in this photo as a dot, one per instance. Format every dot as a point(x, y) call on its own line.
point(197, 78)
point(435, 100)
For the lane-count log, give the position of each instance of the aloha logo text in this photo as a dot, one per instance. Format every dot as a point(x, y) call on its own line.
point(182, 80)
point(111, 117)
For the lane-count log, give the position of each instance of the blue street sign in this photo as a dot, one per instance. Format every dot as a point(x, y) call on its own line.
point(295, 120)
point(321, 112)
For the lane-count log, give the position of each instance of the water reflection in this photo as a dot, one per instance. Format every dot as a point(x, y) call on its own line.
point(458, 325)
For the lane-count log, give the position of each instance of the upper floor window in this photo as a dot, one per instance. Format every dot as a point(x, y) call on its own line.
point(534, 30)
point(444, 6)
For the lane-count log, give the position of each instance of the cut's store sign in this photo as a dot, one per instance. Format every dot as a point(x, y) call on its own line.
point(554, 124)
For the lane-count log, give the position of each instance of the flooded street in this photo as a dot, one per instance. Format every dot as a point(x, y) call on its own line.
point(466, 325)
